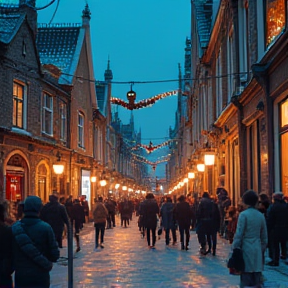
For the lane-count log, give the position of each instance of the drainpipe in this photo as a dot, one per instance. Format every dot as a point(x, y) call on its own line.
point(260, 72)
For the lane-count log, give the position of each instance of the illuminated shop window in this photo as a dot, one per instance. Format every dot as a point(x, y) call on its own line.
point(284, 113)
point(275, 19)
point(284, 163)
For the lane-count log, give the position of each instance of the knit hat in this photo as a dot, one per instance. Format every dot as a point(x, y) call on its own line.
point(278, 195)
point(32, 205)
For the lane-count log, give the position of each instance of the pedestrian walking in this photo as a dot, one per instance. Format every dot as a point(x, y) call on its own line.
point(251, 238)
point(183, 216)
point(125, 211)
point(77, 219)
point(34, 247)
point(168, 221)
point(277, 223)
point(215, 225)
point(6, 269)
point(85, 205)
point(150, 217)
point(56, 215)
point(100, 214)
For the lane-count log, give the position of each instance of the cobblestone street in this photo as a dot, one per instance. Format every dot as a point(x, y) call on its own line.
point(126, 261)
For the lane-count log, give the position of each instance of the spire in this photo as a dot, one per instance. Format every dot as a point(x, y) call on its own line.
point(86, 15)
point(108, 72)
point(28, 7)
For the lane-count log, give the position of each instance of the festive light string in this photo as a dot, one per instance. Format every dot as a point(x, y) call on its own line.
point(151, 148)
point(146, 161)
point(143, 103)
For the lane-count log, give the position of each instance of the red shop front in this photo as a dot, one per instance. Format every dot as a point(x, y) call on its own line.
point(14, 186)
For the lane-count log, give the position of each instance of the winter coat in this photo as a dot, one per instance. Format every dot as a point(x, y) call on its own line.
point(205, 213)
point(183, 214)
point(125, 209)
point(6, 269)
point(77, 214)
point(166, 213)
point(251, 237)
point(150, 211)
point(277, 220)
point(56, 215)
point(28, 273)
point(100, 213)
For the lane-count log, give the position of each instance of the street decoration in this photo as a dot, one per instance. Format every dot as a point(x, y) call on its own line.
point(131, 96)
point(150, 148)
point(142, 159)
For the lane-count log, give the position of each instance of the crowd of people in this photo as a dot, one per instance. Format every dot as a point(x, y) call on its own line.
point(30, 243)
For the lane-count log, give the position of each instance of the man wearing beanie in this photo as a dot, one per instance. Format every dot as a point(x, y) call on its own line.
point(34, 247)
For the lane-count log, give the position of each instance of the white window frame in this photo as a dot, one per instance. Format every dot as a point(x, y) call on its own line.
point(81, 130)
point(230, 66)
point(219, 96)
point(63, 122)
point(47, 114)
point(23, 101)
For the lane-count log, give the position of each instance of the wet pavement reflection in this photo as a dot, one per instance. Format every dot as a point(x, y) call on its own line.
point(126, 261)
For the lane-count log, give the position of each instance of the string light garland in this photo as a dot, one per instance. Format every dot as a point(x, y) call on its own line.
point(151, 148)
point(131, 105)
point(142, 159)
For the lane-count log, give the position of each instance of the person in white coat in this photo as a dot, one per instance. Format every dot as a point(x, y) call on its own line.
point(251, 237)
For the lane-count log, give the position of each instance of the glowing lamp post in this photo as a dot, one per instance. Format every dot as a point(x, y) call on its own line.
point(201, 169)
point(209, 159)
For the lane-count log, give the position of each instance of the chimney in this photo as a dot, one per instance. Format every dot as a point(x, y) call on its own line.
point(29, 8)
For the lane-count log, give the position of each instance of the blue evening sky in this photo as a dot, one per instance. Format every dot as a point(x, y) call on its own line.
point(145, 40)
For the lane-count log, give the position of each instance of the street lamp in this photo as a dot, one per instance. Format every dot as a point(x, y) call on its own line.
point(209, 158)
point(58, 167)
point(201, 169)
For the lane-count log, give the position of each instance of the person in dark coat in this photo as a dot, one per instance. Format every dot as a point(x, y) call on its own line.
point(125, 211)
point(6, 269)
point(150, 212)
point(69, 205)
point(183, 216)
point(277, 223)
point(204, 221)
point(56, 215)
point(77, 218)
point(85, 204)
point(168, 221)
point(214, 229)
point(34, 247)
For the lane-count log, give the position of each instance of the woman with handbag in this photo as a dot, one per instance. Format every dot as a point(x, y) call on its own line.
point(251, 238)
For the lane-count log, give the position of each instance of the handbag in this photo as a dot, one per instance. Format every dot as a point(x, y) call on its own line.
point(236, 261)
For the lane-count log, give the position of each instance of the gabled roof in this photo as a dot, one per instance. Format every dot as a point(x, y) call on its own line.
point(60, 45)
point(204, 10)
point(10, 22)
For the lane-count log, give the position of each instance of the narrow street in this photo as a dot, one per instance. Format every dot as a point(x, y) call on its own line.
point(126, 261)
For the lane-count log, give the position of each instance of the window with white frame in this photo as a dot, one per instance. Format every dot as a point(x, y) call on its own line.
point(243, 39)
point(63, 122)
point(19, 107)
point(230, 67)
point(81, 129)
point(219, 97)
point(47, 114)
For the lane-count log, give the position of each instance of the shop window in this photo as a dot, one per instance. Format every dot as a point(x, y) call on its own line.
point(284, 114)
point(284, 163)
point(275, 19)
